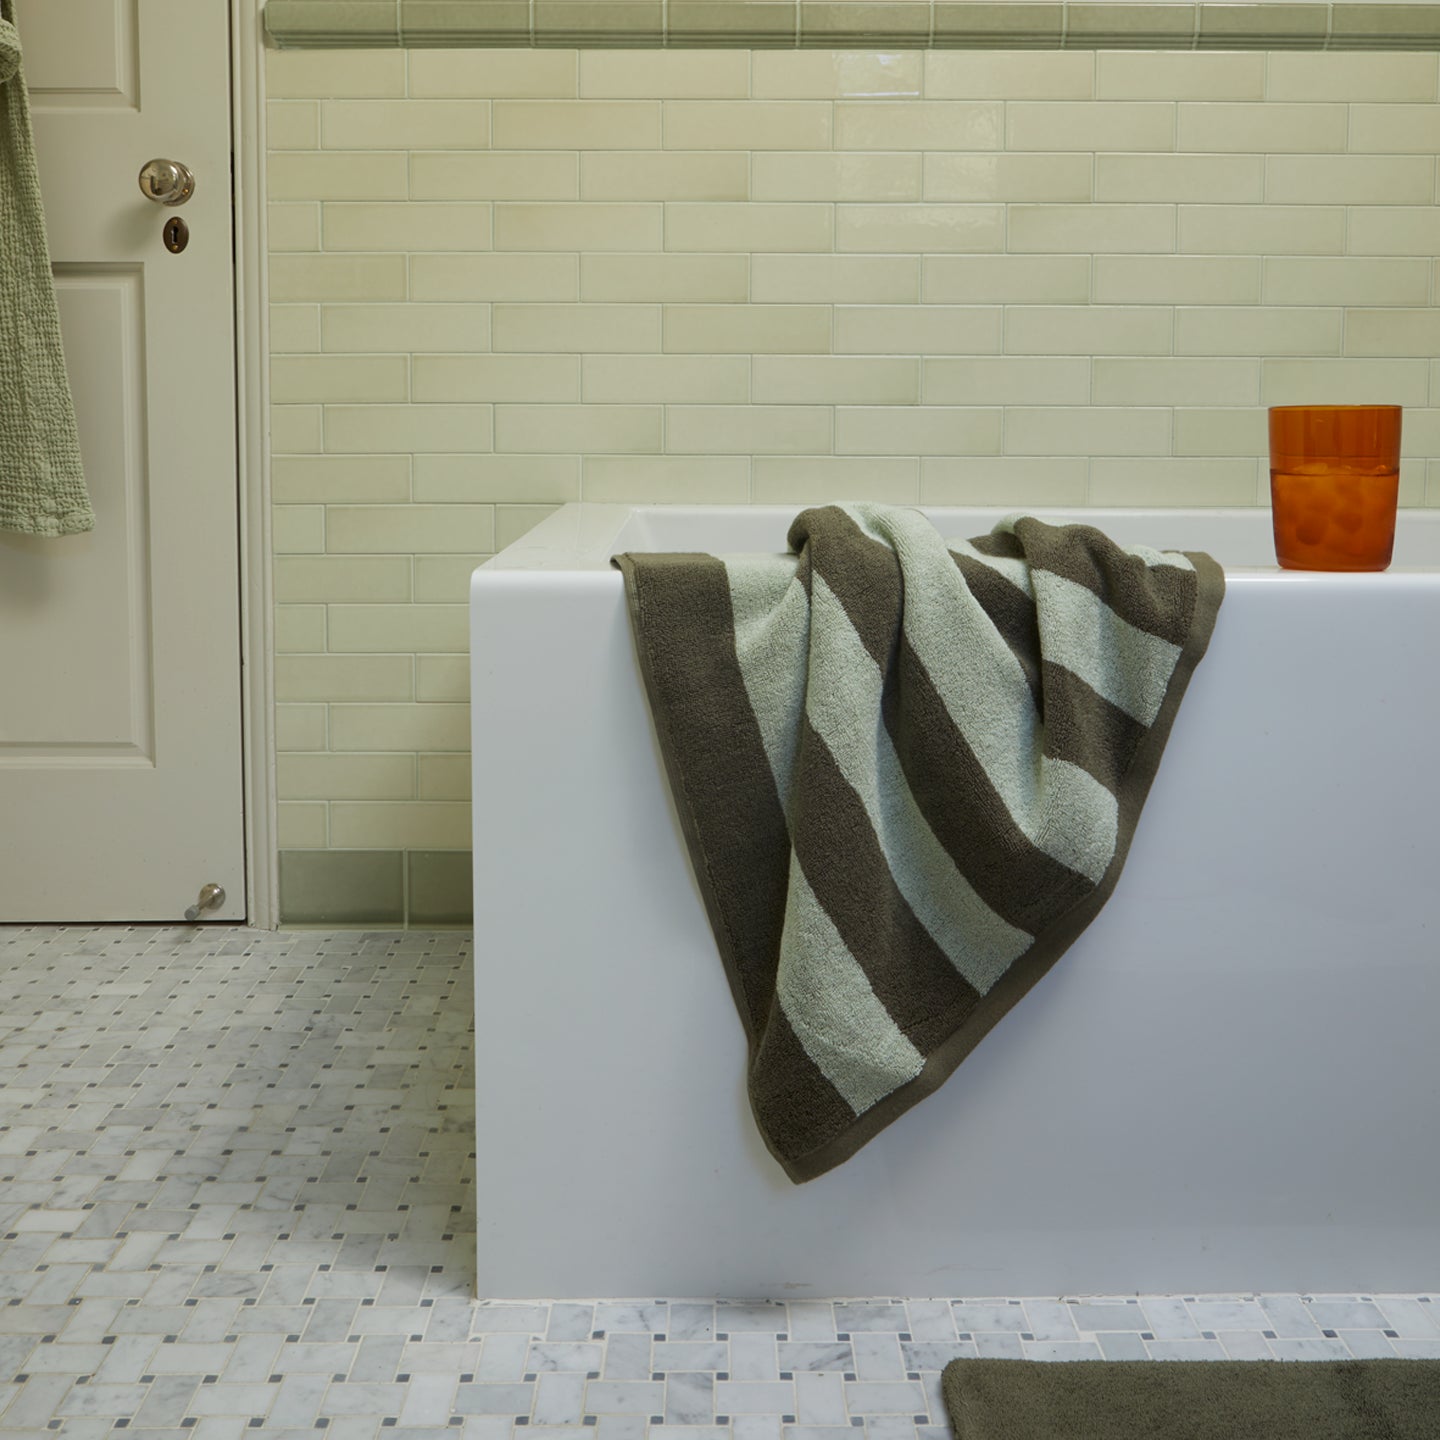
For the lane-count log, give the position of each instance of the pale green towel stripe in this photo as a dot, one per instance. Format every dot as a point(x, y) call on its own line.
point(989, 701)
point(1017, 572)
point(977, 942)
point(1079, 807)
point(773, 629)
point(1159, 559)
point(1153, 558)
point(772, 636)
point(837, 1018)
point(1129, 667)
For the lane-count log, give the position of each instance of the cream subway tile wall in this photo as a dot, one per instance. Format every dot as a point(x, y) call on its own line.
point(503, 280)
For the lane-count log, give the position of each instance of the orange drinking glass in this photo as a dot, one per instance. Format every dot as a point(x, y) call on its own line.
point(1334, 485)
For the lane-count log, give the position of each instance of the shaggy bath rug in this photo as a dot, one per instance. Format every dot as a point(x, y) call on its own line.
point(1194, 1399)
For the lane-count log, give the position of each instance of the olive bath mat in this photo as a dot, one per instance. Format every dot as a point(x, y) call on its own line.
point(1194, 1399)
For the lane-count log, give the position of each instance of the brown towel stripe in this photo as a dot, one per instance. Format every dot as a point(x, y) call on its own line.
point(1087, 730)
point(853, 883)
point(1017, 880)
point(1157, 599)
point(988, 846)
point(1012, 615)
point(719, 774)
point(1002, 864)
point(862, 573)
point(799, 1107)
point(999, 544)
point(938, 697)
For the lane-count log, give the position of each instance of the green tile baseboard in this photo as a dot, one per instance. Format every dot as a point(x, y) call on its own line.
point(890, 24)
point(441, 890)
point(376, 888)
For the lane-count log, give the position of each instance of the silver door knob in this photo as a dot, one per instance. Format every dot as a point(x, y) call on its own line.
point(166, 182)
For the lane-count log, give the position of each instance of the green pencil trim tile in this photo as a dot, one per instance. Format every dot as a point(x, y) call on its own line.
point(860, 25)
point(1385, 27)
point(982, 26)
point(1263, 27)
point(589, 24)
point(841, 24)
point(1148, 27)
point(329, 22)
point(443, 23)
point(739, 22)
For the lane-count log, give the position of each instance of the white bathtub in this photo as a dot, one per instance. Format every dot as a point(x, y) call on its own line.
point(1230, 1082)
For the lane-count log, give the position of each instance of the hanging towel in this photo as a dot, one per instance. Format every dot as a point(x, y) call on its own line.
point(908, 771)
point(42, 486)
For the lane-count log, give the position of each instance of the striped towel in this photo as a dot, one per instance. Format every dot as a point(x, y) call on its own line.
point(908, 770)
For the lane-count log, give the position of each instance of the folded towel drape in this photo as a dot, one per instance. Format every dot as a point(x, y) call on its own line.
point(908, 772)
point(42, 485)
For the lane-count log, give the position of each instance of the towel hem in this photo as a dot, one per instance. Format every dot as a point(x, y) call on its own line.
point(72, 522)
point(684, 810)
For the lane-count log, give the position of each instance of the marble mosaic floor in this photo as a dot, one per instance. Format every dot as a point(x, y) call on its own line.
point(236, 1195)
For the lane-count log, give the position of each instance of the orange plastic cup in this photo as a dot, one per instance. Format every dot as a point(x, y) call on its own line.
point(1334, 485)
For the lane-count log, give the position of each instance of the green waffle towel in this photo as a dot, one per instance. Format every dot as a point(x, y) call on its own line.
point(42, 485)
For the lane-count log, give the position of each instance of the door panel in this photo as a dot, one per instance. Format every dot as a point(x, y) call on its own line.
point(90, 58)
point(120, 746)
point(96, 699)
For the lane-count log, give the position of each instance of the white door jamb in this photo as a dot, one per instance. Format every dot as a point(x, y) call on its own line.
point(252, 341)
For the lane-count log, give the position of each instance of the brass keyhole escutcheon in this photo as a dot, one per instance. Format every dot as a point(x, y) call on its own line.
point(177, 234)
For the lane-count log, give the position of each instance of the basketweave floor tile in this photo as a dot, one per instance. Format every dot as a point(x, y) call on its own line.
point(236, 1197)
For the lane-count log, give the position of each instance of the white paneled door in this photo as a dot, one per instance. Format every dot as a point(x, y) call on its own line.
point(120, 746)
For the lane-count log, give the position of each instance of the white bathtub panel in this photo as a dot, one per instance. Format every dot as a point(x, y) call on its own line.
point(1228, 1083)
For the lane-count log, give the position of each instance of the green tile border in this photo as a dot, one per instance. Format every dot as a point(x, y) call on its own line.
point(353, 23)
point(984, 25)
point(727, 24)
point(851, 24)
point(1385, 27)
point(438, 23)
point(342, 887)
point(441, 890)
point(1264, 27)
point(1115, 27)
point(386, 889)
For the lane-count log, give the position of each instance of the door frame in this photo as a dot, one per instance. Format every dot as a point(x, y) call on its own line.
point(252, 409)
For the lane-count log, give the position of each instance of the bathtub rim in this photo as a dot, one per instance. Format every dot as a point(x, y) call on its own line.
point(582, 535)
